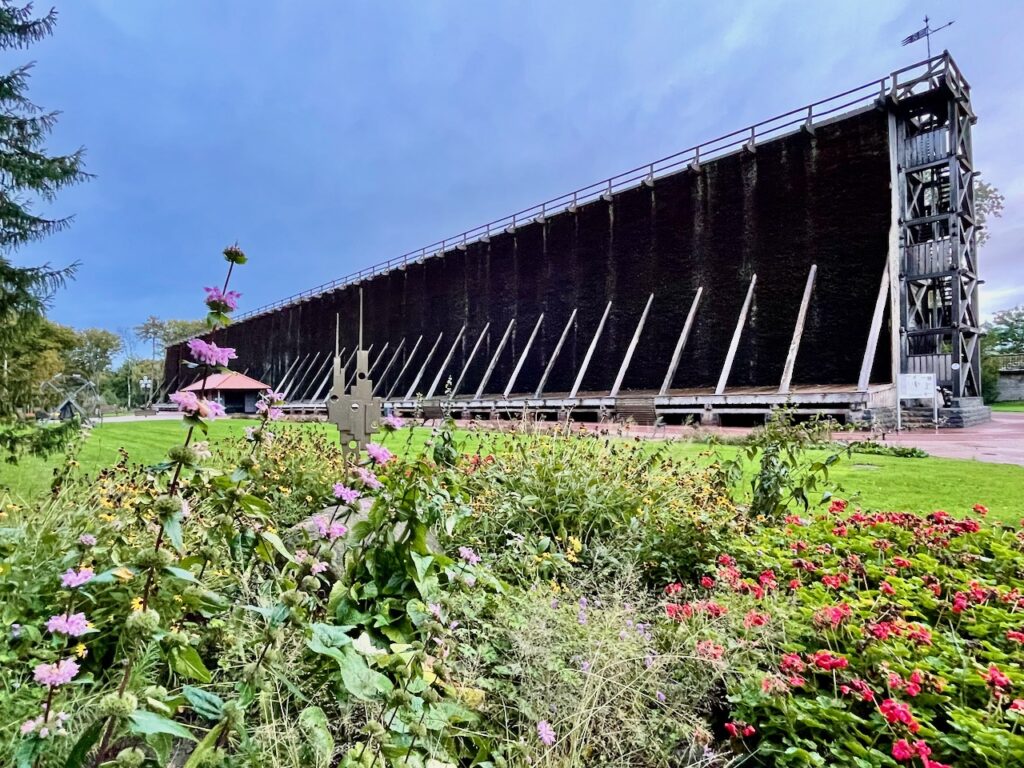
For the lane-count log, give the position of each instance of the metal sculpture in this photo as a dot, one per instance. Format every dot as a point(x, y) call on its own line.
point(355, 413)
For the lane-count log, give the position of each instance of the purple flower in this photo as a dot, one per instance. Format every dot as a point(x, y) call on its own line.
point(378, 453)
point(72, 578)
point(210, 353)
point(435, 609)
point(369, 479)
point(545, 733)
point(187, 402)
point(61, 673)
point(346, 494)
point(329, 529)
point(660, 696)
point(72, 625)
point(221, 301)
point(585, 666)
point(581, 617)
point(467, 554)
point(272, 413)
point(301, 555)
point(392, 422)
point(318, 567)
point(213, 409)
point(87, 540)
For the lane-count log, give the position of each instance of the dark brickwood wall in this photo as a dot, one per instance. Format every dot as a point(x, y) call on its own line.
point(796, 201)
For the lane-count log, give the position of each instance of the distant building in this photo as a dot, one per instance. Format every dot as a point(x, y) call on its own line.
point(235, 391)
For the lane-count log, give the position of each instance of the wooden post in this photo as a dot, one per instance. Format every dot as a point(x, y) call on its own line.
point(444, 365)
point(590, 352)
point(735, 343)
point(304, 369)
point(312, 382)
point(554, 355)
point(522, 358)
point(284, 378)
point(677, 353)
point(469, 360)
point(423, 367)
point(405, 365)
point(631, 349)
point(873, 333)
point(384, 373)
point(494, 359)
point(380, 357)
point(798, 332)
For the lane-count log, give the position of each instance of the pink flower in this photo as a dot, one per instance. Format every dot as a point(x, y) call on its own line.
point(467, 554)
point(346, 494)
point(755, 619)
point(898, 712)
point(87, 540)
point(902, 751)
point(546, 733)
point(191, 405)
point(221, 301)
point(369, 479)
point(318, 567)
point(74, 625)
point(707, 582)
point(674, 589)
point(706, 649)
point(996, 678)
point(392, 422)
point(209, 353)
point(61, 673)
point(378, 453)
point(825, 660)
point(72, 578)
point(1016, 635)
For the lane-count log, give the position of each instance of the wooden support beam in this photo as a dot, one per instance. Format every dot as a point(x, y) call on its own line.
point(522, 358)
point(405, 365)
point(494, 359)
point(419, 374)
point(554, 355)
point(313, 376)
point(302, 368)
point(677, 353)
point(798, 332)
point(469, 360)
point(631, 349)
point(284, 378)
point(876, 329)
point(323, 385)
point(735, 343)
point(590, 352)
point(380, 357)
point(384, 373)
point(444, 364)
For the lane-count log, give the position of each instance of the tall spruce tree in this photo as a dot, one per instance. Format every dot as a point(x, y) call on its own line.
point(29, 176)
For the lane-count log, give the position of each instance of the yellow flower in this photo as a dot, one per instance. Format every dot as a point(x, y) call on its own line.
point(81, 651)
point(124, 574)
point(136, 603)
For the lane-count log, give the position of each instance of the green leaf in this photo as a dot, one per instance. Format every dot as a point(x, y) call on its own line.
point(317, 731)
point(172, 530)
point(185, 660)
point(84, 745)
point(331, 635)
point(204, 703)
point(180, 573)
point(146, 723)
point(422, 564)
point(359, 680)
point(205, 747)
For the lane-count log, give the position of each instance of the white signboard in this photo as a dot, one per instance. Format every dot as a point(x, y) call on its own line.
point(917, 386)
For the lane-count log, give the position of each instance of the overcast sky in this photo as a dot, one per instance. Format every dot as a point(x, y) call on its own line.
point(327, 136)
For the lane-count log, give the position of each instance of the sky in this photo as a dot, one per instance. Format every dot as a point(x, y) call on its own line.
point(326, 136)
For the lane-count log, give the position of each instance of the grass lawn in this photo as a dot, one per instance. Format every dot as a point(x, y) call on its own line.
point(1016, 406)
point(875, 482)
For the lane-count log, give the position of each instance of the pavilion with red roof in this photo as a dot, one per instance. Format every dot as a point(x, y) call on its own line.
point(237, 392)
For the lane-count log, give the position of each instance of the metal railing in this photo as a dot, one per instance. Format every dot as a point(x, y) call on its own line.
point(1010, 362)
point(908, 81)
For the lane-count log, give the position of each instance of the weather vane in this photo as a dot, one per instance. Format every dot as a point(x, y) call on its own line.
point(926, 32)
point(356, 412)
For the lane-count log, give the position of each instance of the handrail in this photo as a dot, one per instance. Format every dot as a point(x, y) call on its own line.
point(893, 86)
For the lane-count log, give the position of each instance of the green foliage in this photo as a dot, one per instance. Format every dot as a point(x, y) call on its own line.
point(785, 476)
point(868, 629)
point(1005, 331)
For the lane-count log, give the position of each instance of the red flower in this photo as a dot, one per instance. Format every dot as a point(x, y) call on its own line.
point(1017, 705)
point(1015, 635)
point(837, 505)
point(755, 619)
point(886, 588)
point(959, 602)
point(726, 560)
point(733, 730)
point(673, 589)
point(919, 634)
point(791, 662)
point(902, 751)
point(901, 562)
point(898, 712)
point(707, 582)
point(706, 649)
point(825, 660)
point(749, 731)
point(740, 729)
point(767, 580)
point(835, 581)
point(794, 584)
point(832, 615)
point(981, 509)
point(996, 678)
point(860, 687)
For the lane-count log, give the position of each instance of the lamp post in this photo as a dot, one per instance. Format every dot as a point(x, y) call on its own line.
point(146, 383)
